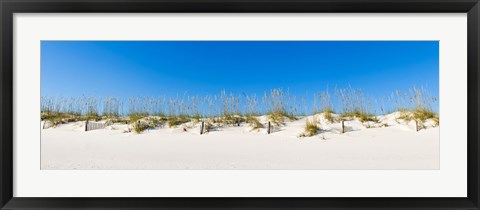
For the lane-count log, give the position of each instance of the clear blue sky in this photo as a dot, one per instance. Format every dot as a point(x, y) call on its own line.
point(170, 68)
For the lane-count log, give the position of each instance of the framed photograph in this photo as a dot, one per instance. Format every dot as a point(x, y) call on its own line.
point(239, 104)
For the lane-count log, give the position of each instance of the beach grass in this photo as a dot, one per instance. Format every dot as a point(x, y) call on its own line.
point(229, 109)
point(311, 128)
point(253, 122)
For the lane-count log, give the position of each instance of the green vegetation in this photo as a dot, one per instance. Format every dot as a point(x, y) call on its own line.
point(423, 115)
point(174, 121)
point(311, 128)
point(140, 126)
point(328, 115)
point(362, 117)
point(277, 117)
point(53, 117)
point(420, 109)
point(134, 117)
point(229, 109)
point(230, 119)
point(356, 105)
point(253, 122)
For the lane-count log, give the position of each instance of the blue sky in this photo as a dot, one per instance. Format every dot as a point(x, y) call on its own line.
point(170, 68)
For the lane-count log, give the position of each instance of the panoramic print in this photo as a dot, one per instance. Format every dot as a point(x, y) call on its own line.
point(239, 105)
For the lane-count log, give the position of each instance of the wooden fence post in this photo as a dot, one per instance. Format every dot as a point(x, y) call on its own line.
point(86, 125)
point(201, 128)
point(416, 125)
point(268, 130)
point(343, 126)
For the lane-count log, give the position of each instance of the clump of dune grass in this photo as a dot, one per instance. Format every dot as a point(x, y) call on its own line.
point(231, 119)
point(328, 115)
point(53, 117)
point(352, 101)
point(355, 105)
point(134, 117)
point(156, 121)
point(322, 101)
point(368, 118)
point(420, 116)
point(174, 121)
point(92, 112)
point(423, 115)
point(311, 128)
point(111, 107)
point(419, 107)
point(277, 106)
point(362, 117)
point(251, 105)
point(253, 122)
point(141, 122)
point(404, 115)
point(277, 117)
point(322, 104)
point(93, 116)
point(140, 126)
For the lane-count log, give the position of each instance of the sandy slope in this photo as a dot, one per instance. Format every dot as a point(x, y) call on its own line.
point(397, 146)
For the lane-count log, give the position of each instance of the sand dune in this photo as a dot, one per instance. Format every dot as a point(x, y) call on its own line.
point(389, 144)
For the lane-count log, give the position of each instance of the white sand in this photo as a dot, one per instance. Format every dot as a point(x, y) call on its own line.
point(397, 146)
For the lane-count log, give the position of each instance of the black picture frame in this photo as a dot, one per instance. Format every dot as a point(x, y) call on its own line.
point(9, 7)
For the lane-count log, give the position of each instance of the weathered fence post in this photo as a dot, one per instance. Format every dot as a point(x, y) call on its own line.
point(201, 128)
point(86, 125)
point(343, 126)
point(416, 125)
point(269, 128)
